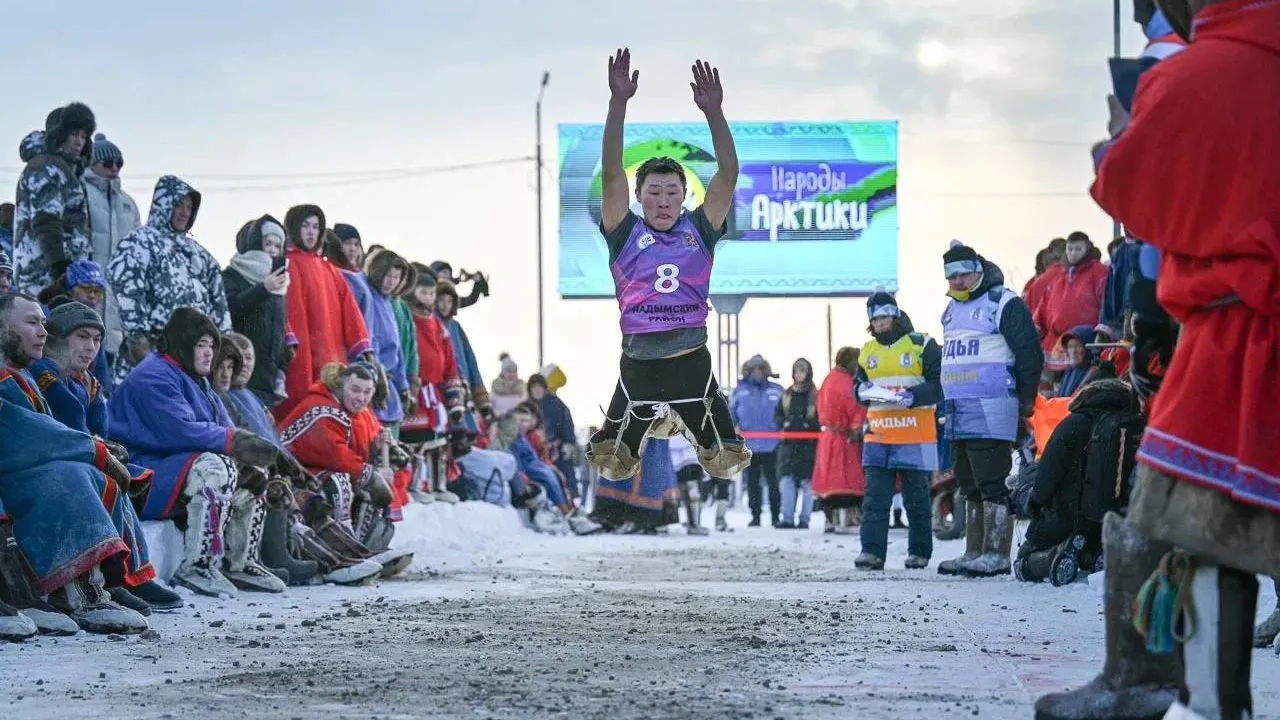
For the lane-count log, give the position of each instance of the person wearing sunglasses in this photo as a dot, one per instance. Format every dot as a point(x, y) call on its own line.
point(113, 214)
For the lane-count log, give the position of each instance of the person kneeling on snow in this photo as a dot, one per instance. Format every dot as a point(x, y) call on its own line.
point(1083, 473)
point(334, 433)
point(168, 417)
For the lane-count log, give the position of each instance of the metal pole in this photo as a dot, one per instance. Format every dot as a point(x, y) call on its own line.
point(1115, 37)
point(546, 77)
point(830, 349)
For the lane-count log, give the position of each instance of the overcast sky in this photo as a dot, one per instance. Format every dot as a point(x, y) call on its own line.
point(998, 101)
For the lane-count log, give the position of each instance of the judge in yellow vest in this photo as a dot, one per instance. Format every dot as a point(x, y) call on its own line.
point(899, 380)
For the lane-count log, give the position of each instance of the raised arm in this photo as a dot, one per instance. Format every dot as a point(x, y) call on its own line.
point(708, 94)
point(615, 198)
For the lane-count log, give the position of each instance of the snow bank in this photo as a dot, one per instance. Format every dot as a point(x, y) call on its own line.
point(441, 536)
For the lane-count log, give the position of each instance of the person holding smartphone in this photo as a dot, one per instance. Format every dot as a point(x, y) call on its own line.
point(256, 282)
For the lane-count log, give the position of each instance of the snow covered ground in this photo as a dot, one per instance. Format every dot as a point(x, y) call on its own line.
point(498, 622)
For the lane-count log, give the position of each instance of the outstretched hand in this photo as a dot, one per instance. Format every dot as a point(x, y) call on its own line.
point(708, 94)
point(622, 81)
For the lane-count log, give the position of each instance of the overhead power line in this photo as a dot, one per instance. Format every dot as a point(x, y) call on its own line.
point(320, 179)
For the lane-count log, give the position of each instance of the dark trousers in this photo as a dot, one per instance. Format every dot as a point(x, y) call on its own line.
point(878, 501)
point(981, 468)
point(678, 378)
point(766, 465)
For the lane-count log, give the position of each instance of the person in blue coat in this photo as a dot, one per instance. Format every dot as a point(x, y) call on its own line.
point(752, 406)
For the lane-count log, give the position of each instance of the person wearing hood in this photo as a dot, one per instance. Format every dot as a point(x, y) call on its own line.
point(838, 479)
point(6, 272)
point(51, 215)
point(468, 368)
point(507, 390)
point(991, 365)
point(168, 416)
point(159, 268)
point(6, 229)
point(797, 412)
point(322, 312)
point(1208, 459)
point(899, 380)
point(256, 283)
point(113, 214)
point(1075, 296)
point(752, 406)
point(387, 275)
point(75, 399)
point(1048, 269)
point(1079, 359)
point(334, 433)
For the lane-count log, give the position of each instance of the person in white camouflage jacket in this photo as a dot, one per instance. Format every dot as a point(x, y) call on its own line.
point(159, 268)
point(51, 215)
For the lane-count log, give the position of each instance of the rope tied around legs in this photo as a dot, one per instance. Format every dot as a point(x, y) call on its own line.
point(1162, 611)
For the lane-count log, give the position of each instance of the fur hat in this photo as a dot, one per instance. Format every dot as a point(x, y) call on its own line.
point(380, 261)
point(185, 328)
point(63, 121)
point(229, 351)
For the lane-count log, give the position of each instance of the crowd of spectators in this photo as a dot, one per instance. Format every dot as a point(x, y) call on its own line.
point(281, 411)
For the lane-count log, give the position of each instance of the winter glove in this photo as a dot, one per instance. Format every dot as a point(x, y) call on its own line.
point(137, 346)
point(251, 449)
point(117, 451)
point(482, 285)
point(286, 357)
point(905, 399)
point(252, 479)
point(117, 471)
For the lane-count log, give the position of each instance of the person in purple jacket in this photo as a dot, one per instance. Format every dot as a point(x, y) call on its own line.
point(661, 265)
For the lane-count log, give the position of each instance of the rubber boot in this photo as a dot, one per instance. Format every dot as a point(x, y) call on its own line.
point(1218, 654)
point(86, 602)
point(1134, 684)
point(997, 525)
point(16, 590)
point(275, 548)
point(867, 561)
point(975, 533)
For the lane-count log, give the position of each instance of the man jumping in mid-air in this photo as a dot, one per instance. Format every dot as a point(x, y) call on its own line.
point(662, 276)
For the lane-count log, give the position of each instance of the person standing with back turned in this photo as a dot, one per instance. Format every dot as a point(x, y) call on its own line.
point(662, 274)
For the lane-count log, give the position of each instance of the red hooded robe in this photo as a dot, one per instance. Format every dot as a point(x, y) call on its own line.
point(1197, 174)
point(321, 311)
point(837, 471)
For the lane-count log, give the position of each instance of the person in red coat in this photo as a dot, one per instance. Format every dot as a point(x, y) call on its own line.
point(335, 435)
point(1073, 293)
point(837, 474)
point(1194, 172)
point(1048, 269)
point(321, 310)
